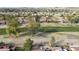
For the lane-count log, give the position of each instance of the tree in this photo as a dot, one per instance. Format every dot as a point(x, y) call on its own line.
point(67, 47)
point(52, 42)
point(71, 18)
point(37, 18)
point(77, 19)
point(12, 24)
point(28, 45)
point(32, 25)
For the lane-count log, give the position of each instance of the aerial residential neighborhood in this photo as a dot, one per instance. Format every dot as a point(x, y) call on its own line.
point(39, 29)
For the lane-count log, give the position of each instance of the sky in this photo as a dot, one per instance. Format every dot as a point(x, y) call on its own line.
point(39, 3)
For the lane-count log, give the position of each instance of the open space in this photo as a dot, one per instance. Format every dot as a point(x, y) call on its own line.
point(39, 29)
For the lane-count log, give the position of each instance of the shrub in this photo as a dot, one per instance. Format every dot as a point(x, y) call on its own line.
point(67, 47)
point(11, 45)
point(2, 44)
point(52, 42)
point(19, 49)
point(28, 45)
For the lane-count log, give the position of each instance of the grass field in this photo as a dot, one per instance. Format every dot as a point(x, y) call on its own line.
point(49, 27)
point(59, 29)
point(59, 24)
point(46, 29)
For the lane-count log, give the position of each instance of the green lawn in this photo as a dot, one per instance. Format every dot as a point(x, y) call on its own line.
point(59, 29)
point(46, 29)
point(58, 25)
